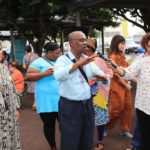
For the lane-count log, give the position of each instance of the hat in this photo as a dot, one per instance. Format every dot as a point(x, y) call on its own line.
point(50, 46)
point(91, 43)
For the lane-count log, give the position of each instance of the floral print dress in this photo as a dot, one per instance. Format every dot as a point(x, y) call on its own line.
point(9, 102)
point(28, 60)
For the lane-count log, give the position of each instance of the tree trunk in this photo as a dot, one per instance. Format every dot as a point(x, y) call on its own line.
point(39, 46)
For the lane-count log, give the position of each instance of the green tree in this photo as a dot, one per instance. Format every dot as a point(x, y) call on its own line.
point(41, 19)
point(34, 18)
point(98, 18)
point(139, 17)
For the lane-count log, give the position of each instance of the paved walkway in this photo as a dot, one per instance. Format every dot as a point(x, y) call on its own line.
point(32, 137)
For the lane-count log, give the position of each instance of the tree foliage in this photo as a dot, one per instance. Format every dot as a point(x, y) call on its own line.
point(101, 17)
point(41, 19)
point(33, 18)
point(139, 17)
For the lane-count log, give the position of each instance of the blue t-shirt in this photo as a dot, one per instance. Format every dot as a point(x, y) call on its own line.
point(46, 88)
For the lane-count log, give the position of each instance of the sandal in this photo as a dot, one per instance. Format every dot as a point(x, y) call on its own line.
point(100, 146)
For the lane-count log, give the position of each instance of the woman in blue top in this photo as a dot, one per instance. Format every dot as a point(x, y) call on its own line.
point(46, 90)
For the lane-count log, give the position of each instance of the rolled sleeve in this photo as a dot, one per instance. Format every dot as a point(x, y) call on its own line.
point(127, 74)
point(133, 70)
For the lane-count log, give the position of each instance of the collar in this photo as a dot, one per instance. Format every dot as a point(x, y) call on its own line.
point(73, 57)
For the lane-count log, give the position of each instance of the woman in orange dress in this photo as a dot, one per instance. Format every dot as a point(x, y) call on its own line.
point(120, 90)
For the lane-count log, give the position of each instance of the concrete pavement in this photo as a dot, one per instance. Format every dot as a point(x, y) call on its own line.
point(32, 138)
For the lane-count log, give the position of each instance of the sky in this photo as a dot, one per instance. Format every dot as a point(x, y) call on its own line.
point(134, 29)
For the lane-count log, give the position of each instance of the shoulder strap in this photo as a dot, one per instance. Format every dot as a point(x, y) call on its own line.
point(48, 61)
point(80, 68)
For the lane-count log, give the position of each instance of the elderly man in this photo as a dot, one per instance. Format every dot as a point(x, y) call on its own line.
point(76, 114)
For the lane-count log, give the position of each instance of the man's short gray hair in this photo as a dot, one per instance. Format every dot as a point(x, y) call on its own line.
point(72, 33)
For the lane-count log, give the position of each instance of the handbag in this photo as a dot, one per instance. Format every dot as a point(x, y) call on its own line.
point(93, 87)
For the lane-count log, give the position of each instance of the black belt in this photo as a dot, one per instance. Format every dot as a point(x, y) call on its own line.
point(76, 101)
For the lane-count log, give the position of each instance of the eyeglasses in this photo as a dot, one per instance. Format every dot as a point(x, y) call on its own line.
point(81, 40)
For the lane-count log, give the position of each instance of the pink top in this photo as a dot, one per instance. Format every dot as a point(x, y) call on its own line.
point(103, 66)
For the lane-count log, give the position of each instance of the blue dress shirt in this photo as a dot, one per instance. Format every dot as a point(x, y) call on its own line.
point(73, 85)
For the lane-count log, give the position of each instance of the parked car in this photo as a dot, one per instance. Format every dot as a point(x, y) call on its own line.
point(140, 49)
point(131, 46)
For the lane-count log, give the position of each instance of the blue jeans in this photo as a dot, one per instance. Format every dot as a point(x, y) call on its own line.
point(76, 119)
point(136, 137)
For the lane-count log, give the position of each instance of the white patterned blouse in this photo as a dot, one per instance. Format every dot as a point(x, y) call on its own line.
point(141, 69)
